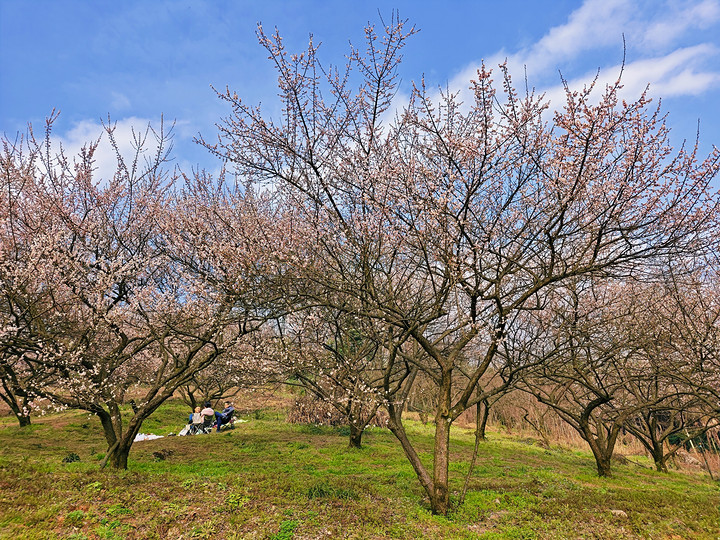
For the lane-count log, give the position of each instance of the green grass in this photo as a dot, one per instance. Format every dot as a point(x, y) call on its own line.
point(268, 479)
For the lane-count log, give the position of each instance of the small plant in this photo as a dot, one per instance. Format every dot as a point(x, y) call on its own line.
point(93, 487)
point(321, 490)
point(205, 530)
point(71, 458)
point(117, 510)
point(235, 501)
point(162, 455)
point(108, 530)
point(286, 531)
point(75, 517)
point(188, 483)
point(175, 509)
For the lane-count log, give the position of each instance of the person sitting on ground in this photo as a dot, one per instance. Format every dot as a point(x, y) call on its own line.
point(224, 417)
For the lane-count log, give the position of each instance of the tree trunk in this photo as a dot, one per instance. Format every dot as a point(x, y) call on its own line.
point(602, 446)
point(191, 398)
point(10, 397)
point(603, 466)
point(108, 426)
point(661, 464)
point(22, 414)
point(440, 500)
point(356, 434)
point(118, 456)
point(660, 458)
point(119, 443)
point(481, 423)
point(397, 429)
point(602, 440)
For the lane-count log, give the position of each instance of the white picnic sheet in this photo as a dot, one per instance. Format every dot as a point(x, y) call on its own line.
point(146, 437)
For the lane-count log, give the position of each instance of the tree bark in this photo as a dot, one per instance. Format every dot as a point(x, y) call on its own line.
point(118, 458)
point(356, 434)
point(603, 463)
point(118, 454)
point(658, 455)
point(602, 448)
point(481, 423)
point(107, 425)
point(11, 398)
point(661, 463)
point(440, 500)
point(397, 429)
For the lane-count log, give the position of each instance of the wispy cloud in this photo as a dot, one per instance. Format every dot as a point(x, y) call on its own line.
point(654, 56)
point(593, 25)
point(120, 101)
point(678, 19)
point(675, 74)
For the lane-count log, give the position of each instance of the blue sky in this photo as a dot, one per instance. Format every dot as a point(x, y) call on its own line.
point(135, 60)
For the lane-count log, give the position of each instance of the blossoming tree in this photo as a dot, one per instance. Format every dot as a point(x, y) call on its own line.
point(113, 285)
point(446, 219)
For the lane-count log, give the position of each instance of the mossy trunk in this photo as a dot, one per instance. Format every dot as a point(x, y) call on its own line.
point(604, 468)
point(659, 458)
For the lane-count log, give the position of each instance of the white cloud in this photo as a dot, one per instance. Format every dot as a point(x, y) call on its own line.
point(676, 21)
point(597, 23)
point(650, 30)
point(594, 24)
point(676, 74)
point(126, 133)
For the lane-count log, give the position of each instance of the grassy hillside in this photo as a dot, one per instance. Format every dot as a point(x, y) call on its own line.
point(270, 479)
